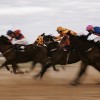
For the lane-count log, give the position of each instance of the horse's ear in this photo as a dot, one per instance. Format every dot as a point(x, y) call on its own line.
point(43, 34)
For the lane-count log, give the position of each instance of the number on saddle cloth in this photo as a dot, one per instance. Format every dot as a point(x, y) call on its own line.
point(20, 47)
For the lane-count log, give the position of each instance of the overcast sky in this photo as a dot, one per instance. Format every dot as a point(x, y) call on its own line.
point(34, 17)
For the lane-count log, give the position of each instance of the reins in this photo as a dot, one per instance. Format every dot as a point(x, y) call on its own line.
point(47, 42)
point(8, 50)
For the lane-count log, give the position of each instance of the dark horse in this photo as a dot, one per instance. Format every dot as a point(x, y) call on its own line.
point(32, 53)
point(57, 54)
point(88, 52)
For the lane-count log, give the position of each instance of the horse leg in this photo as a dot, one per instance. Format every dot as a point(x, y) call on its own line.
point(5, 64)
point(97, 67)
point(15, 67)
point(81, 72)
point(19, 71)
point(55, 69)
point(43, 70)
point(63, 67)
point(32, 67)
point(8, 68)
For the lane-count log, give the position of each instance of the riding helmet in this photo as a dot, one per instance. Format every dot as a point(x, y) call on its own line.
point(9, 32)
point(89, 28)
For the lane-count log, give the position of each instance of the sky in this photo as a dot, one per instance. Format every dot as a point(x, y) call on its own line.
point(34, 17)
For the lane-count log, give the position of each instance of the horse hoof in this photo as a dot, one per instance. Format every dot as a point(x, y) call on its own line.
point(57, 70)
point(37, 76)
point(11, 71)
point(74, 83)
point(20, 72)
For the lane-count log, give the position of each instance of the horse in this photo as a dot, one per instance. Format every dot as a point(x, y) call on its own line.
point(88, 52)
point(49, 45)
point(58, 55)
point(32, 53)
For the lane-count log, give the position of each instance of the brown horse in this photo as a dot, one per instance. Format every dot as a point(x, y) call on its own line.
point(87, 51)
point(57, 54)
point(32, 53)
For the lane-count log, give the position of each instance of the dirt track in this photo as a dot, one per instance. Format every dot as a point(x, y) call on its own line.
point(54, 85)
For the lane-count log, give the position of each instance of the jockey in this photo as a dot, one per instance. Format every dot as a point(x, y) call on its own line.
point(63, 33)
point(16, 37)
point(94, 30)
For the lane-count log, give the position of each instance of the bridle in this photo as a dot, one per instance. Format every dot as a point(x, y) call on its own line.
point(47, 43)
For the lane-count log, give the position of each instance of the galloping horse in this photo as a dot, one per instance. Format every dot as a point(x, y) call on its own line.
point(58, 55)
point(32, 53)
point(88, 52)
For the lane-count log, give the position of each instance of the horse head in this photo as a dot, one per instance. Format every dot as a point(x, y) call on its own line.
point(4, 39)
point(44, 39)
point(47, 40)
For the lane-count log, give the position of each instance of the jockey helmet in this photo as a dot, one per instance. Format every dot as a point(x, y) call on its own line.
point(17, 31)
point(89, 28)
point(9, 32)
point(60, 29)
